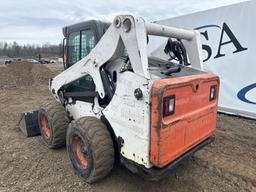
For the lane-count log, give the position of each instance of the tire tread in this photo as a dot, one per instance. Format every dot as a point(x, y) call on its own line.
point(60, 121)
point(101, 145)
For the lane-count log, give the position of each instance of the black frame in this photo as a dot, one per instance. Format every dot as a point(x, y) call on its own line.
point(64, 50)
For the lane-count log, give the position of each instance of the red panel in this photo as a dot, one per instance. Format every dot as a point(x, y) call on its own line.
point(193, 121)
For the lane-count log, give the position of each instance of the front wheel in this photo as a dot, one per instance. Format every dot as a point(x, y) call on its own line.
point(53, 124)
point(90, 148)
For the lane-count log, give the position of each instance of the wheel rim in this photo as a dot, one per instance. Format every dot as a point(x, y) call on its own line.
point(80, 151)
point(45, 128)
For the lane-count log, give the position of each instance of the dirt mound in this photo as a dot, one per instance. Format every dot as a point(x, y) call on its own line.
point(41, 74)
point(23, 74)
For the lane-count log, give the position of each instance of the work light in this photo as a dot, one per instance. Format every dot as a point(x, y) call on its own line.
point(168, 105)
point(212, 92)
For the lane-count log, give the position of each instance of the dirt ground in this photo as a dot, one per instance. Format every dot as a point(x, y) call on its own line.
point(228, 164)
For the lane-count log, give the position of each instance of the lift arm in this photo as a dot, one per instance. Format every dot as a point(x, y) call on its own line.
point(131, 33)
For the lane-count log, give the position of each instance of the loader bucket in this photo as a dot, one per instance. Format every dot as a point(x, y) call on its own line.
point(28, 124)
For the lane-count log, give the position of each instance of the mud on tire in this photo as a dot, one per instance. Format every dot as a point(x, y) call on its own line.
point(53, 124)
point(90, 148)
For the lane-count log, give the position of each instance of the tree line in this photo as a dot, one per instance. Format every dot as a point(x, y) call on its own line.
point(15, 50)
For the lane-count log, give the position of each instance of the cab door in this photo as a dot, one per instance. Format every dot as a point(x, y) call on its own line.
point(79, 45)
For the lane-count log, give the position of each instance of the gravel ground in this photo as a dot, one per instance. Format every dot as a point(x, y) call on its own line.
point(228, 164)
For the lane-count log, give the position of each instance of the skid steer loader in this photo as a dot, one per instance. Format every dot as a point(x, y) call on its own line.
point(114, 103)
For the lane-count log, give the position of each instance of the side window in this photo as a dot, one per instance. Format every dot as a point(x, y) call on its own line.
point(83, 85)
point(74, 47)
point(88, 42)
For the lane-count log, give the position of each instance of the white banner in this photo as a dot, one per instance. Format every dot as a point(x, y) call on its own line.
point(229, 50)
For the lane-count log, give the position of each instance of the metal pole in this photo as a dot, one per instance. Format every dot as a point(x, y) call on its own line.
point(161, 30)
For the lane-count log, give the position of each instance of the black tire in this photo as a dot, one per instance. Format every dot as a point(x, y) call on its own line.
point(90, 148)
point(53, 123)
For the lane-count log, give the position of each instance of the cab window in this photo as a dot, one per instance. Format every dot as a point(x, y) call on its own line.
point(84, 85)
point(88, 42)
point(80, 44)
point(74, 47)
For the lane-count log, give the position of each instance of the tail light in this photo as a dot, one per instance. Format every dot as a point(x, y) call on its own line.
point(168, 105)
point(213, 90)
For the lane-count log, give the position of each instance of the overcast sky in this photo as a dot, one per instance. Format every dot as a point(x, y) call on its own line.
point(36, 22)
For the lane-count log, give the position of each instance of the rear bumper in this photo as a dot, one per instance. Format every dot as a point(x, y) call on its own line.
point(156, 173)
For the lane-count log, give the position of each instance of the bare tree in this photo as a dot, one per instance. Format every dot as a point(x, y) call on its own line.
point(16, 50)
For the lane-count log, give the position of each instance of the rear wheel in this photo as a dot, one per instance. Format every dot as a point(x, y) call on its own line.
point(53, 124)
point(90, 148)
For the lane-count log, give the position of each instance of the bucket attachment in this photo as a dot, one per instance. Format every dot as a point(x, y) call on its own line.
point(29, 123)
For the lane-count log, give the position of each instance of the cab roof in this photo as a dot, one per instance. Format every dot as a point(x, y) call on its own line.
point(100, 26)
